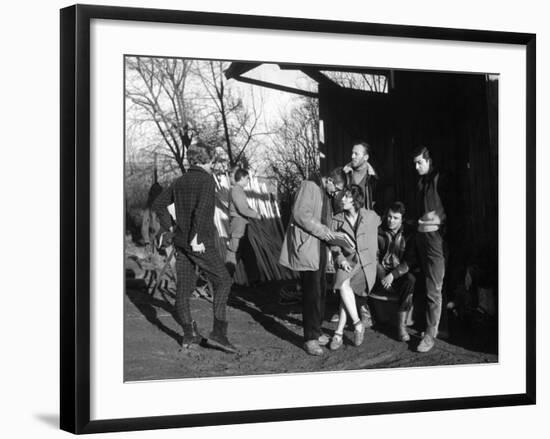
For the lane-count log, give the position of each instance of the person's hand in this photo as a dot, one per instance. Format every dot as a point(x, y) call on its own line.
point(196, 246)
point(387, 281)
point(345, 266)
point(430, 218)
point(329, 236)
point(167, 239)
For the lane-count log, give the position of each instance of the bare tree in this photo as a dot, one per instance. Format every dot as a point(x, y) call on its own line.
point(156, 88)
point(294, 156)
point(225, 118)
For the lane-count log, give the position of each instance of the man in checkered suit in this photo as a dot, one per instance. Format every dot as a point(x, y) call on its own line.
point(193, 234)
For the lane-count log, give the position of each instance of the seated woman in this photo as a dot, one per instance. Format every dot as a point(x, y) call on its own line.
point(356, 263)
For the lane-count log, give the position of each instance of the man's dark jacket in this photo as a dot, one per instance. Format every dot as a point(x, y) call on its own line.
point(396, 252)
point(434, 192)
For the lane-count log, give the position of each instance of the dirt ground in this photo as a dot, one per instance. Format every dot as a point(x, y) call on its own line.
point(269, 337)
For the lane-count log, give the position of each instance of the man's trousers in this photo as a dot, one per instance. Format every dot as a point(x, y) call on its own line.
point(432, 259)
point(211, 264)
point(313, 298)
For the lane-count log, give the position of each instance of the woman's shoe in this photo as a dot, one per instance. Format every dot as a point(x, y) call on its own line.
point(358, 333)
point(323, 340)
point(336, 342)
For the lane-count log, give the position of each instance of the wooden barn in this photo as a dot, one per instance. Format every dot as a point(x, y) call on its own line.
point(454, 114)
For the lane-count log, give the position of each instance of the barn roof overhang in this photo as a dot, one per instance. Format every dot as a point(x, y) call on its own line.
point(237, 69)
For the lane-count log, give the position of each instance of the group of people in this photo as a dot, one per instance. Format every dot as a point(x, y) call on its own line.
point(332, 220)
point(334, 216)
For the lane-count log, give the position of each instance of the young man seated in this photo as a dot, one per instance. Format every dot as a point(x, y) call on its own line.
point(395, 257)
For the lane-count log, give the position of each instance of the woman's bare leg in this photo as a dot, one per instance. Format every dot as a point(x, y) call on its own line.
point(348, 299)
point(342, 319)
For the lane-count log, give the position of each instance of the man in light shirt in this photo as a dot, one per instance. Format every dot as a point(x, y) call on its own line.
point(239, 215)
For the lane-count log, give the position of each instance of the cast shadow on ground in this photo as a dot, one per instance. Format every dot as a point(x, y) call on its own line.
point(476, 335)
point(262, 304)
point(390, 331)
point(138, 294)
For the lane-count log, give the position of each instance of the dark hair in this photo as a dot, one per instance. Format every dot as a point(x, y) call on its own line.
point(357, 195)
point(240, 173)
point(199, 155)
point(315, 177)
point(154, 192)
point(337, 175)
point(364, 144)
point(423, 151)
point(397, 207)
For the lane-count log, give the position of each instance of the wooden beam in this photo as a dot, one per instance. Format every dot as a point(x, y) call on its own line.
point(316, 75)
point(239, 68)
point(365, 70)
point(276, 86)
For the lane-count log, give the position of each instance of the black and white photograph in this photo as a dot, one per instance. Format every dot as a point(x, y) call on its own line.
point(296, 218)
point(275, 219)
point(272, 219)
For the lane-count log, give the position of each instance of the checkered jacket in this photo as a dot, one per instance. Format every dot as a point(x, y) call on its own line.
point(194, 197)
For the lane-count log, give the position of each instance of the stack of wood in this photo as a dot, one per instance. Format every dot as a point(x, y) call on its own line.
point(265, 235)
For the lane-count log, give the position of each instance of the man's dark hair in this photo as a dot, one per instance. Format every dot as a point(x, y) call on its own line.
point(364, 144)
point(154, 192)
point(357, 195)
point(315, 177)
point(199, 155)
point(423, 151)
point(397, 207)
point(240, 174)
point(337, 175)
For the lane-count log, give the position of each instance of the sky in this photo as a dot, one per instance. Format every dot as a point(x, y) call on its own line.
point(274, 103)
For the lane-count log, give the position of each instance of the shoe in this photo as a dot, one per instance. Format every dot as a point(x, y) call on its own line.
point(191, 335)
point(426, 344)
point(402, 334)
point(358, 334)
point(312, 347)
point(366, 317)
point(323, 339)
point(335, 318)
point(218, 338)
point(336, 342)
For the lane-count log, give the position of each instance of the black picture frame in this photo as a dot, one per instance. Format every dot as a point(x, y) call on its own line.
point(75, 217)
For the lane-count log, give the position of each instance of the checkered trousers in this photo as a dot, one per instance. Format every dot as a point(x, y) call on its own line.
point(212, 265)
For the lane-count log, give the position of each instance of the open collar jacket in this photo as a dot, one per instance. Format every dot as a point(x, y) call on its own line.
point(365, 237)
